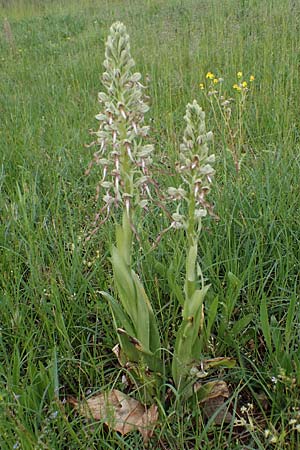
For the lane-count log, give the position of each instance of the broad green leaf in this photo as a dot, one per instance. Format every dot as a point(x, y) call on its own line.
point(187, 336)
point(190, 283)
point(191, 263)
point(124, 239)
point(193, 304)
point(137, 352)
point(121, 319)
point(197, 349)
point(183, 353)
point(197, 329)
point(143, 306)
point(153, 333)
point(124, 284)
point(241, 324)
point(175, 288)
point(154, 337)
point(211, 314)
point(233, 280)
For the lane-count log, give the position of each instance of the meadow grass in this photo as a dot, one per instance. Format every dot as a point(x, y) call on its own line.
point(56, 330)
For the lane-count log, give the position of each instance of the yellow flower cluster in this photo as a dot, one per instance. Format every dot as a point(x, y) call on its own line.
point(210, 75)
point(239, 86)
point(242, 85)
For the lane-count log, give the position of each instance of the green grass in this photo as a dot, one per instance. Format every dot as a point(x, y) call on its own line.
point(56, 331)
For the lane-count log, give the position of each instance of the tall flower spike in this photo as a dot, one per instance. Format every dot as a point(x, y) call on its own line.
point(196, 174)
point(121, 125)
point(124, 162)
point(194, 166)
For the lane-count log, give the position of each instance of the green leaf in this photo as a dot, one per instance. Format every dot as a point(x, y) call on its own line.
point(136, 352)
point(234, 281)
point(289, 329)
point(124, 239)
point(190, 279)
point(187, 336)
point(277, 336)
point(121, 319)
point(135, 302)
point(232, 294)
point(265, 324)
point(124, 284)
point(182, 354)
point(297, 368)
point(143, 308)
point(241, 324)
point(175, 288)
point(191, 263)
point(129, 351)
point(211, 314)
point(193, 304)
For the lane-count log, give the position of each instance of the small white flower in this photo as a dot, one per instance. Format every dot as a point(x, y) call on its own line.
point(274, 439)
point(209, 136)
point(207, 170)
point(199, 213)
point(243, 409)
point(176, 193)
point(107, 184)
point(143, 203)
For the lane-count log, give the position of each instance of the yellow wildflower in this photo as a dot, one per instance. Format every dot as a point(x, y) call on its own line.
point(239, 74)
point(244, 84)
point(216, 80)
point(210, 75)
point(237, 87)
point(201, 86)
point(252, 78)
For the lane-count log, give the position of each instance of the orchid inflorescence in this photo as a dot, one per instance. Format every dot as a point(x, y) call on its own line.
point(194, 167)
point(123, 157)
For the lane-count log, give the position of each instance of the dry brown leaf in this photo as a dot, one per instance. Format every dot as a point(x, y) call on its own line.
point(217, 403)
point(213, 401)
point(212, 389)
point(120, 412)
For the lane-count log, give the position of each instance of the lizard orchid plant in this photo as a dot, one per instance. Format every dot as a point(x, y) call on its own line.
point(127, 183)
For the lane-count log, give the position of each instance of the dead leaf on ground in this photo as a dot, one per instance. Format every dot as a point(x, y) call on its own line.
point(120, 412)
point(215, 393)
